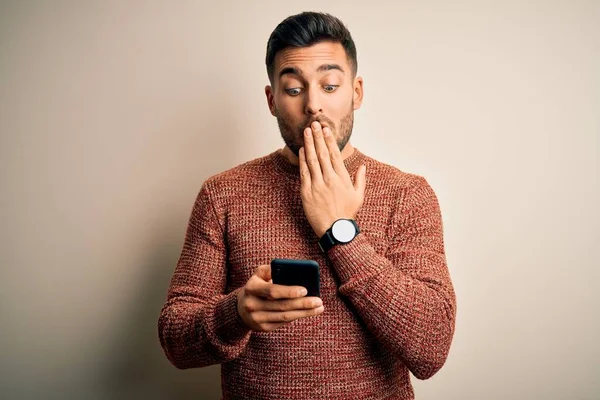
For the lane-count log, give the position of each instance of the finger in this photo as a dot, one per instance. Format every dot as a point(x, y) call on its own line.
point(304, 171)
point(360, 181)
point(304, 303)
point(337, 162)
point(285, 316)
point(272, 327)
point(321, 149)
point(311, 157)
point(271, 291)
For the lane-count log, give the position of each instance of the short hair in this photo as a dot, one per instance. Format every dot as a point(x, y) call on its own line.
point(306, 29)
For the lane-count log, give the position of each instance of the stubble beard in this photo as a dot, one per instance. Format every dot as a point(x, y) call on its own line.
point(294, 137)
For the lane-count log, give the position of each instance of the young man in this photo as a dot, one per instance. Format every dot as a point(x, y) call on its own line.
point(387, 304)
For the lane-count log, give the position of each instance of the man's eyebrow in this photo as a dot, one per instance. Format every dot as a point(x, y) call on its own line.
point(322, 68)
point(290, 70)
point(329, 67)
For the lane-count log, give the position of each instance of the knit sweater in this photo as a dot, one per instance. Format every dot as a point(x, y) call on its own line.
point(388, 298)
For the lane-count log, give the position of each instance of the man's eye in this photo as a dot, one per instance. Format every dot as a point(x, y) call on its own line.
point(330, 88)
point(293, 91)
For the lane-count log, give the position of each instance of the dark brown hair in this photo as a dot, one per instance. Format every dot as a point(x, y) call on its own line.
point(307, 29)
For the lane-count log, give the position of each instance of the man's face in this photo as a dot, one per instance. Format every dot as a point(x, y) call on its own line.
point(314, 84)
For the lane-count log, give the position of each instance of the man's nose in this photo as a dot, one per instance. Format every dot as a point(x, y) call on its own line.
point(313, 104)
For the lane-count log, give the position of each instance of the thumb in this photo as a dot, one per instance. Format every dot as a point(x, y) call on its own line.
point(360, 180)
point(263, 272)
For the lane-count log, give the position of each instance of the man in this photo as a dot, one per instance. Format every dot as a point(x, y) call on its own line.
point(387, 303)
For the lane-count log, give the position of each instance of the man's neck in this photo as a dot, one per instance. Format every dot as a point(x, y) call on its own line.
point(293, 159)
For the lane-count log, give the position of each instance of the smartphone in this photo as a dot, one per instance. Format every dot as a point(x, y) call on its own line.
point(285, 271)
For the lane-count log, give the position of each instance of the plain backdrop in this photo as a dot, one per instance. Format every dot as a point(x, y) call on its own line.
point(113, 113)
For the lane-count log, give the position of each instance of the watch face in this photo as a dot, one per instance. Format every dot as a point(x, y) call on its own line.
point(343, 230)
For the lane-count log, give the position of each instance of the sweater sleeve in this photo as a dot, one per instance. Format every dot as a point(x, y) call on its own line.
point(406, 297)
point(199, 324)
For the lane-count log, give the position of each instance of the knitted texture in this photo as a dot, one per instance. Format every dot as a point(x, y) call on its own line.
point(389, 302)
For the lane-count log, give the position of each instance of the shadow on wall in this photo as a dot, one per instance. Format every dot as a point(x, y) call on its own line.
point(136, 367)
point(139, 368)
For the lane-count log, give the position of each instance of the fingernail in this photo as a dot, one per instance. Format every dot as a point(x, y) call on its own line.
point(302, 292)
point(326, 132)
point(307, 132)
point(317, 303)
point(316, 125)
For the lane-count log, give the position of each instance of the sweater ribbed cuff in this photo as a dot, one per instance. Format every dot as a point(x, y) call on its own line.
point(355, 260)
point(229, 325)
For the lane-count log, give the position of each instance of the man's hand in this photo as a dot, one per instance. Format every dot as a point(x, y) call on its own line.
point(326, 189)
point(265, 307)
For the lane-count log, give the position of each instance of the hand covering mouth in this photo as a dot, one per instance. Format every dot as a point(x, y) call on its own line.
point(324, 123)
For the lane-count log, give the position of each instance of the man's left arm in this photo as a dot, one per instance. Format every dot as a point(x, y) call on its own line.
point(406, 297)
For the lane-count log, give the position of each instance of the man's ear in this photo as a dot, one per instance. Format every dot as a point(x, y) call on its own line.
point(358, 92)
point(270, 99)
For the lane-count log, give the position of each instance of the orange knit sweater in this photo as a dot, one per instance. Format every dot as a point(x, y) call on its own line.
point(389, 302)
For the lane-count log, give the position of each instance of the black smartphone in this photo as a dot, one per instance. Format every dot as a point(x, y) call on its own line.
point(285, 271)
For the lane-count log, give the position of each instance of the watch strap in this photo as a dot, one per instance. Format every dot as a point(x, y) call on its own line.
point(327, 241)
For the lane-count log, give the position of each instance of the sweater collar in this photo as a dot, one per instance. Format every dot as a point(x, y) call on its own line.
point(355, 160)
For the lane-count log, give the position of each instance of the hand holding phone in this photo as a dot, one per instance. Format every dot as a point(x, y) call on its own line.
point(264, 306)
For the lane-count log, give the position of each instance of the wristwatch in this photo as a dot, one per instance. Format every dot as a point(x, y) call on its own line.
point(342, 231)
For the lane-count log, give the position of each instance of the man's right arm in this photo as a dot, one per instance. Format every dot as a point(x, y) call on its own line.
point(199, 324)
